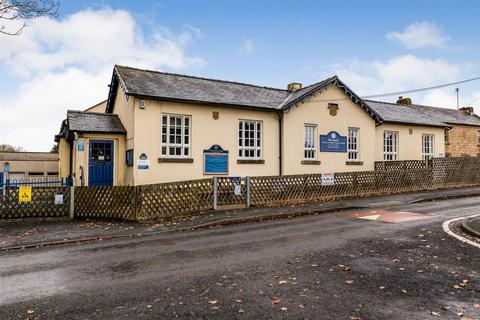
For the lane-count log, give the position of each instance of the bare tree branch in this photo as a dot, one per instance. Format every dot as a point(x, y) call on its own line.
point(25, 10)
point(9, 148)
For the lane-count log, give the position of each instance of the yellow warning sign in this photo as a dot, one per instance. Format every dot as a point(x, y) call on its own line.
point(25, 194)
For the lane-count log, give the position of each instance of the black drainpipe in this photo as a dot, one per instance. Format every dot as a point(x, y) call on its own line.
point(70, 142)
point(280, 148)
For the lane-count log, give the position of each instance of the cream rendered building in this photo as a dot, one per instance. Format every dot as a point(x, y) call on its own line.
point(162, 127)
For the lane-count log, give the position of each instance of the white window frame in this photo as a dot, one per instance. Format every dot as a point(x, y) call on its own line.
point(478, 137)
point(390, 150)
point(257, 139)
point(183, 145)
point(353, 148)
point(310, 146)
point(428, 146)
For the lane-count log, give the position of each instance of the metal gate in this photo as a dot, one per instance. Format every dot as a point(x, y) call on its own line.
point(46, 198)
point(231, 192)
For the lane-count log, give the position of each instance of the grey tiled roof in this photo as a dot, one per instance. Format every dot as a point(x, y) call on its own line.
point(180, 87)
point(80, 121)
point(392, 112)
point(169, 86)
point(419, 114)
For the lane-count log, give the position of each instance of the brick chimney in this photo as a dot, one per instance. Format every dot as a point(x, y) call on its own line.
point(294, 86)
point(404, 101)
point(468, 110)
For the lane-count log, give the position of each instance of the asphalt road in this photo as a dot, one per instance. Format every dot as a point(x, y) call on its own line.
point(316, 267)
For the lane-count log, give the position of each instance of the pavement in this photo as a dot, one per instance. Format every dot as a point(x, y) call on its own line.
point(30, 233)
point(472, 226)
point(331, 266)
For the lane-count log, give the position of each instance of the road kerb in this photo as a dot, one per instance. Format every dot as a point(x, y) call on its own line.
point(446, 228)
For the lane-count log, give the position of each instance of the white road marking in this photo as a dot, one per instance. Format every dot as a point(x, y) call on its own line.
point(447, 229)
point(372, 217)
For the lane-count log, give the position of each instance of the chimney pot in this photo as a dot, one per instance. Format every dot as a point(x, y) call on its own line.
point(404, 101)
point(294, 86)
point(468, 110)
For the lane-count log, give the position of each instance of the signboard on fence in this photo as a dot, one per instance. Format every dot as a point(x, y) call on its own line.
point(58, 199)
point(328, 179)
point(25, 194)
point(333, 142)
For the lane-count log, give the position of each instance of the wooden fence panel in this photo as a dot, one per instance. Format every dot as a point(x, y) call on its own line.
point(42, 204)
point(168, 200)
point(105, 202)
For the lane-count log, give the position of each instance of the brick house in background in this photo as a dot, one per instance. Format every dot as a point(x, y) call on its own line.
point(462, 130)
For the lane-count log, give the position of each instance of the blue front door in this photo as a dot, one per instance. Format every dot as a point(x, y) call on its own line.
point(1, 184)
point(100, 164)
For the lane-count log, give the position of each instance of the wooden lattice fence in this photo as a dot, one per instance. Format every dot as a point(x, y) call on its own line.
point(42, 204)
point(105, 202)
point(168, 200)
point(175, 199)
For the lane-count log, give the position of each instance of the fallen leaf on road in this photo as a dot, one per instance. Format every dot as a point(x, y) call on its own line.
point(381, 287)
point(282, 282)
point(283, 308)
point(349, 281)
point(238, 301)
point(435, 314)
point(212, 301)
point(344, 267)
point(476, 305)
point(30, 311)
point(404, 291)
point(276, 301)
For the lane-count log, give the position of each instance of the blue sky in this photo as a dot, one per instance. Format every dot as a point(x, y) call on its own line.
point(374, 46)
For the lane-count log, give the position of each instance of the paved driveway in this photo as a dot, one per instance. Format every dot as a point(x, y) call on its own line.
point(330, 266)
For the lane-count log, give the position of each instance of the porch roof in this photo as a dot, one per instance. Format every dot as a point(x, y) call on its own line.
point(80, 121)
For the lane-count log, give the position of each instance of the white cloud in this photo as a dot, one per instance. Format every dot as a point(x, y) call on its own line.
point(420, 35)
point(67, 64)
point(447, 98)
point(248, 45)
point(400, 73)
point(408, 72)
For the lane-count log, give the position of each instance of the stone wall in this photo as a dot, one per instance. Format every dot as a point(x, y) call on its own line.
point(462, 141)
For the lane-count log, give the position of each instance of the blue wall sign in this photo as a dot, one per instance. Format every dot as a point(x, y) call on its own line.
point(333, 142)
point(81, 145)
point(215, 160)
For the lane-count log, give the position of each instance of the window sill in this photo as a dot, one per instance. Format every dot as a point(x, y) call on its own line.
point(311, 162)
point(175, 160)
point(354, 163)
point(250, 161)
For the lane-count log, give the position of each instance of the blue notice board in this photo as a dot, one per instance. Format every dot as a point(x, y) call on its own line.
point(333, 142)
point(215, 160)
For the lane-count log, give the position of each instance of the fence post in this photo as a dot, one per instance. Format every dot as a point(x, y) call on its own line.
point(248, 192)
point(72, 202)
point(215, 193)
